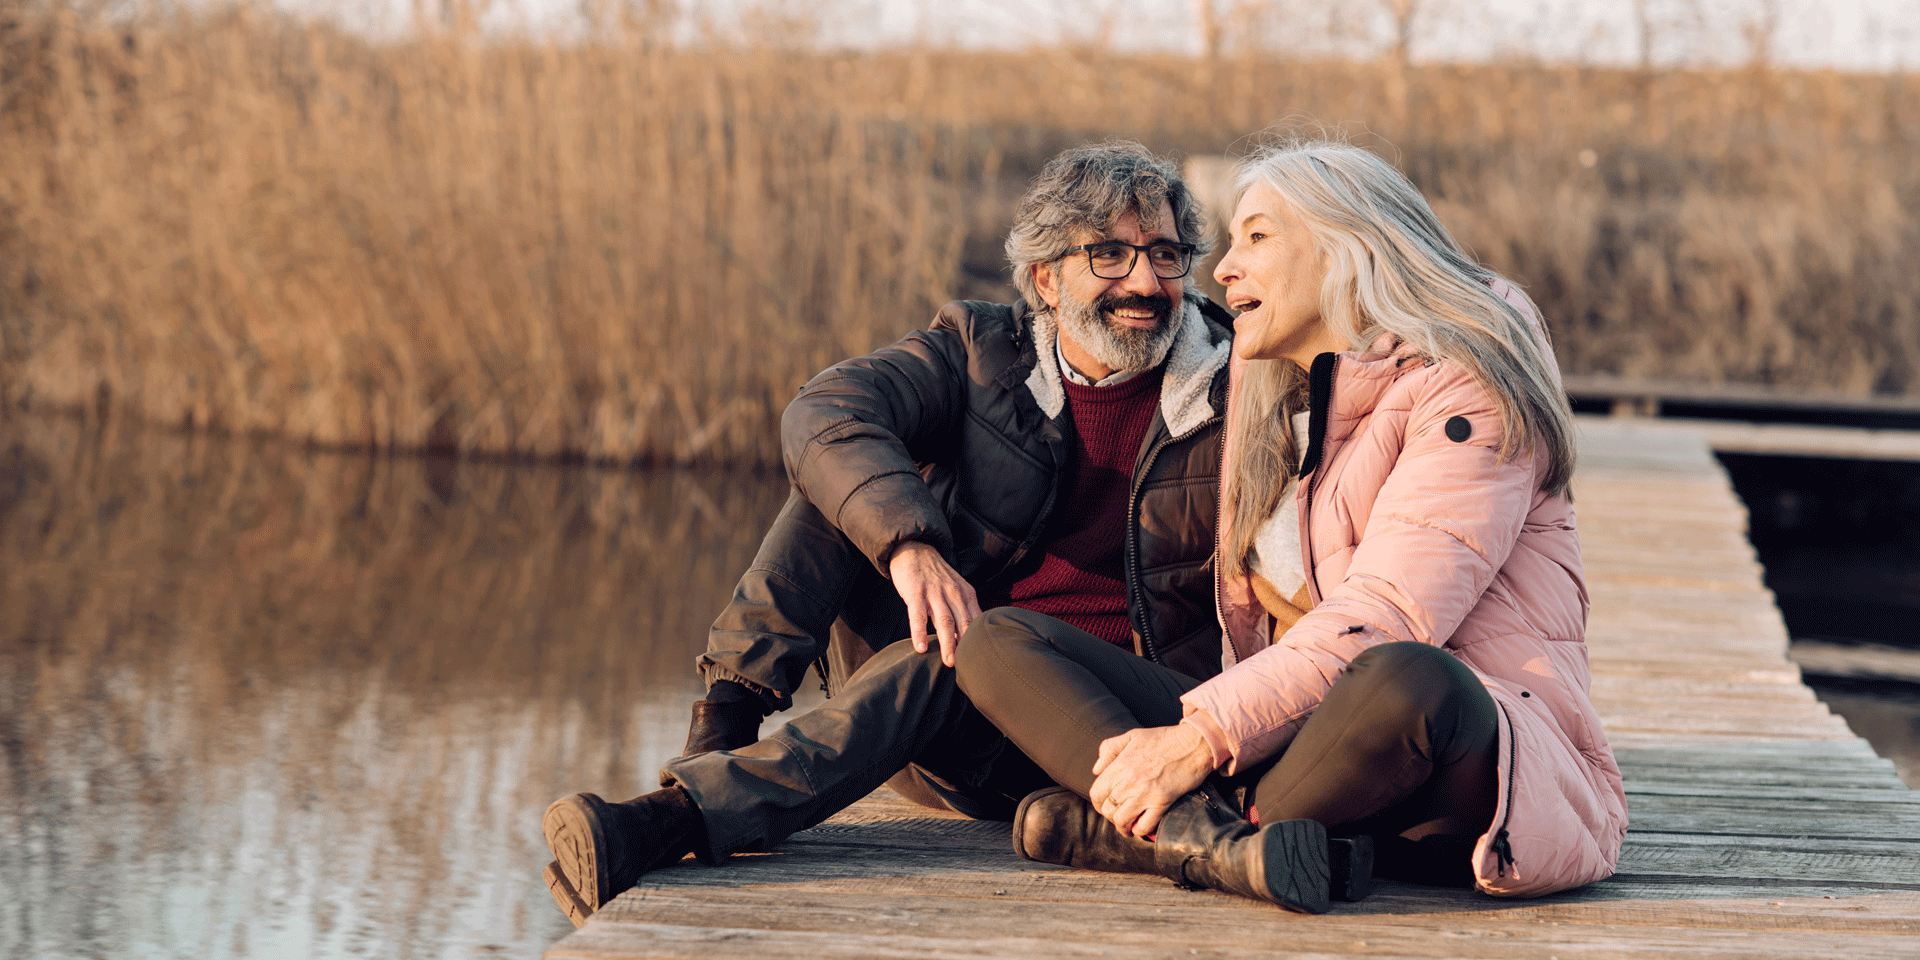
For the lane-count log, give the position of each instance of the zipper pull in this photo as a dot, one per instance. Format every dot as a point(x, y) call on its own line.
point(1502, 851)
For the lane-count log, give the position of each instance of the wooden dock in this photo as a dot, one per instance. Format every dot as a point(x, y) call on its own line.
point(1761, 826)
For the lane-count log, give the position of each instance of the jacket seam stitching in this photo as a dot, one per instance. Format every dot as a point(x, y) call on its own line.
point(868, 482)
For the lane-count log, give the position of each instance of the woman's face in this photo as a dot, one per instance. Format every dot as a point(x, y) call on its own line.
point(1273, 275)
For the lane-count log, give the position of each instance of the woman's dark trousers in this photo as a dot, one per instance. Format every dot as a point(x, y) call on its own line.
point(1403, 747)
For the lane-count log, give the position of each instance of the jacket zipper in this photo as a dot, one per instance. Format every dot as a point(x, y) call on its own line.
point(1319, 454)
point(1502, 846)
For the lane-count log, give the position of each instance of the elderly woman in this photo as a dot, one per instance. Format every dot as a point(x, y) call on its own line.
point(1399, 579)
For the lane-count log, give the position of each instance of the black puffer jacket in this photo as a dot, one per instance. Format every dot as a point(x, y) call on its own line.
point(939, 438)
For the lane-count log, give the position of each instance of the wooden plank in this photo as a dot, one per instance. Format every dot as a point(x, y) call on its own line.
point(1826, 789)
point(1755, 754)
point(1876, 865)
point(1683, 725)
point(1741, 816)
point(1796, 719)
point(1656, 738)
point(1807, 776)
point(1724, 703)
point(1776, 689)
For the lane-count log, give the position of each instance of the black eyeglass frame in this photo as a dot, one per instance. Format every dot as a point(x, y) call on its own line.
point(1186, 256)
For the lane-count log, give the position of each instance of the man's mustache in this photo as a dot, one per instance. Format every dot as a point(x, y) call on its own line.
point(1159, 303)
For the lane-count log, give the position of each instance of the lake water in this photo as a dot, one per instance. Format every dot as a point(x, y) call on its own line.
point(262, 702)
point(1838, 538)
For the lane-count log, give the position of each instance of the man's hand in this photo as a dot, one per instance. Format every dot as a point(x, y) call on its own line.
point(933, 591)
point(1142, 772)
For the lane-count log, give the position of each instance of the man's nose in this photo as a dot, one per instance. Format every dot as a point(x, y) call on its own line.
point(1141, 279)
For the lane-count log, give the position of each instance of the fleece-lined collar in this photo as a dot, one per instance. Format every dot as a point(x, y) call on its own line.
point(1191, 364)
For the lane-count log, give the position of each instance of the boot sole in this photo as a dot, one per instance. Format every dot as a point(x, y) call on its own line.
point(574, 835)
point(569, 900)
point(1294, 855)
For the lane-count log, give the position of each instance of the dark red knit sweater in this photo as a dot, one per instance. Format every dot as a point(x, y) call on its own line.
point(1081, 577)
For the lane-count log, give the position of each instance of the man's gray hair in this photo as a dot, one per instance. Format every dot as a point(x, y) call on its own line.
point(1087, 190)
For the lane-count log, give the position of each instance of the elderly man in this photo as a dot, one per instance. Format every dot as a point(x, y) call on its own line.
point(1059, 455)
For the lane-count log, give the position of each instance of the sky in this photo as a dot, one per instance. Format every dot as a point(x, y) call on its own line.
point(1867, 35)
point(1848, 34)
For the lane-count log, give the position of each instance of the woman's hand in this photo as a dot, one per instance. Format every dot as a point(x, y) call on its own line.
point(1141, 773)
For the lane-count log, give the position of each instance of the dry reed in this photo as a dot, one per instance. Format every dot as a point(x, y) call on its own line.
point(627, 252)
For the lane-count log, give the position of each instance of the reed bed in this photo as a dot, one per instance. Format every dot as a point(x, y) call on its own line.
point(622, 251)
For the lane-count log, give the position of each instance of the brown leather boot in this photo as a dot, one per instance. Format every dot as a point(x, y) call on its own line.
point(722, 725)
point(719, 725)
point(1056, 825)
point(600, 849)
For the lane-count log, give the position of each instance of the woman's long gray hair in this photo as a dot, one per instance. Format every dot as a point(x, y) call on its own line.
point(1391, 268)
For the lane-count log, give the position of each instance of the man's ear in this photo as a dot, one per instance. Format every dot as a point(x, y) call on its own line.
point(1047, 283)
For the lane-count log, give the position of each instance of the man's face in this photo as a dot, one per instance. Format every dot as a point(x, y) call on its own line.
point(1124, 323)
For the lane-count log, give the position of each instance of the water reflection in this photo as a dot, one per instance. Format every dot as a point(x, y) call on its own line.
point(262, 702)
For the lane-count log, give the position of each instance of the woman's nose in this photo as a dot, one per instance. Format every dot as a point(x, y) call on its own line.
point(1228, 270)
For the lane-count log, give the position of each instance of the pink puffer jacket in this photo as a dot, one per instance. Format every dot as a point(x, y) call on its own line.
point(1412, 535)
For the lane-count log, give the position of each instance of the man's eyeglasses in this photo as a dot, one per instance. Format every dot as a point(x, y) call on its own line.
point(1112, 260)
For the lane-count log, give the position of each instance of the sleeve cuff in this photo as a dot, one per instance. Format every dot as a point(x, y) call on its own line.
point(1211, 734)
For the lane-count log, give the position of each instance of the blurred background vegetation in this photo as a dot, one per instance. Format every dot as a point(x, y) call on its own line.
point(622, 246)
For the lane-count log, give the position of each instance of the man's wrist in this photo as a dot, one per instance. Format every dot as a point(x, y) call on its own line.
point(907, 548)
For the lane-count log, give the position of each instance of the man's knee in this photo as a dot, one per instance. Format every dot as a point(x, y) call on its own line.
point(992, 633)
point(900, 668)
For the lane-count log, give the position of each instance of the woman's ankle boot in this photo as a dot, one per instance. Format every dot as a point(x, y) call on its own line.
point(1056, 825)
point(600, 849)
point(1204, 842)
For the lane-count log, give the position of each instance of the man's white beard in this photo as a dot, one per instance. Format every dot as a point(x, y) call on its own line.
point(1119, 347)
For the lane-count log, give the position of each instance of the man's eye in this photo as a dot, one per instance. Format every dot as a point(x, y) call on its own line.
point(1109, 254)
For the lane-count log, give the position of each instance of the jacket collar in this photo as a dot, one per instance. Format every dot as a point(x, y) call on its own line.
point(1185, 388)
point(1362, 378)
